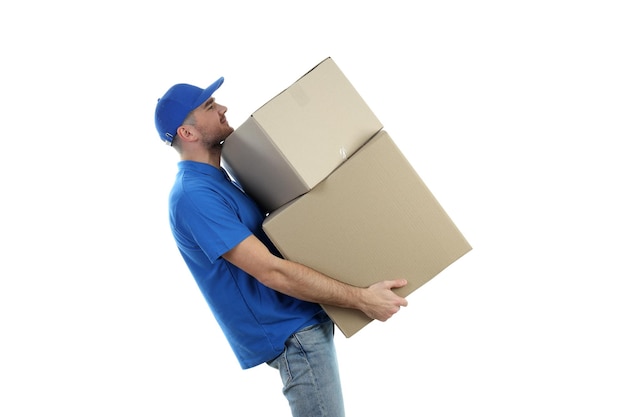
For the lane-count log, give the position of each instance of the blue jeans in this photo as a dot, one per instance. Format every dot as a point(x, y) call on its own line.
point(310, 374)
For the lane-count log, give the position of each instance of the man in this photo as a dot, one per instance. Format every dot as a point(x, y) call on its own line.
point(268, 307)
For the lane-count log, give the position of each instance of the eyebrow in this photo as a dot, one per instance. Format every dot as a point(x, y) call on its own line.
point(208, 102)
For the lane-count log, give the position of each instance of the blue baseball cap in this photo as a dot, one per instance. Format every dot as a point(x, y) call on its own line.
point(176, 104)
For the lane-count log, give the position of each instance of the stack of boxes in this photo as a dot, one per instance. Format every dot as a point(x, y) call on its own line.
point(341, 197)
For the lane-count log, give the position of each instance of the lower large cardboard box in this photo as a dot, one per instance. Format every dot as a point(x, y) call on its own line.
point(372, 219)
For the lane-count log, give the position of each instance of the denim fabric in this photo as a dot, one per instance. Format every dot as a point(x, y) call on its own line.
point(310, 374)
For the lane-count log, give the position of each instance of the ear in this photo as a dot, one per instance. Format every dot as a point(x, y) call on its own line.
point(185, 132)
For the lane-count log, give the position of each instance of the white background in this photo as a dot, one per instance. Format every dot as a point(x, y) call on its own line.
point(513, 113)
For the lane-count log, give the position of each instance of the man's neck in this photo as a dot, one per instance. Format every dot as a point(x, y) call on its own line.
point(213, 158)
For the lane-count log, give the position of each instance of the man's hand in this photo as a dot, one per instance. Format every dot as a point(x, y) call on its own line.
point(380, 303)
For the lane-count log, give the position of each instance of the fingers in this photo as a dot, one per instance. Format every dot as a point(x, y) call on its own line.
point(397, 283)
point(392, 283)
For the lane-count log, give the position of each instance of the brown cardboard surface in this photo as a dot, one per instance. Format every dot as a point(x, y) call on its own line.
point(299, 137)
point(372, 219)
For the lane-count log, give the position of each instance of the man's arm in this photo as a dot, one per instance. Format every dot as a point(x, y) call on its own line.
point(291, 278)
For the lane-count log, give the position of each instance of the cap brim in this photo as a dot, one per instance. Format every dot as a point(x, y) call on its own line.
point(208, 92)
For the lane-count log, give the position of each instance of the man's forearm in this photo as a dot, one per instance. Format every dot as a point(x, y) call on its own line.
point(307, 284)
point(377, 301)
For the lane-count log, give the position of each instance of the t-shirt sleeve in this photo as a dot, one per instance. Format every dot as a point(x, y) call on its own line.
point(214, 224)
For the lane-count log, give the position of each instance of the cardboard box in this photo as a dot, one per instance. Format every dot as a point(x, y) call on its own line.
point(299, 137)
point(372, 219)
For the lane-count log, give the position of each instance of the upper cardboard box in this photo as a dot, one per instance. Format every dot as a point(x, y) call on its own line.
point(372, 219)
point(299, 137)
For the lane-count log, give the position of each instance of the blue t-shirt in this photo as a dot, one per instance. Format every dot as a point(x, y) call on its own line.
point(210, 215)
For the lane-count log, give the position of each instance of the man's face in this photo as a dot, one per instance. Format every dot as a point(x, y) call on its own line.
point(211, 123)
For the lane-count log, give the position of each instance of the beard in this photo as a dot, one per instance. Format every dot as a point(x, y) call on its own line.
point(213, 144)
point(216, 141)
